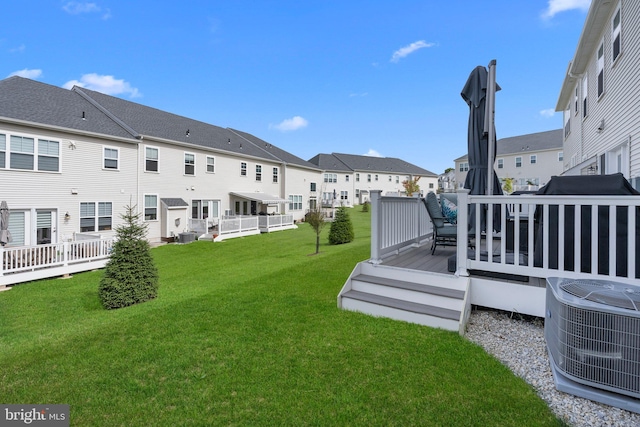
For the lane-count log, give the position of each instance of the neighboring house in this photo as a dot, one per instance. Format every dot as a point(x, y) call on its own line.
point(71, 160)
point(447, 182)
point(529, 160)
point(352, 177)
point(600, 92)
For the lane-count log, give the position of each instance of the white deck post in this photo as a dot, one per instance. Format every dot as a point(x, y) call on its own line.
point(463, 232)
point(375, 227)
point(1, 260)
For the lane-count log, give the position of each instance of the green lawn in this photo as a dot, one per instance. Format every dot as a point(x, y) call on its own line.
point(247, 332)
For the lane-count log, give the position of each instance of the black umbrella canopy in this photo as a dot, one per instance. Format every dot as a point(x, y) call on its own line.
point(475, 95)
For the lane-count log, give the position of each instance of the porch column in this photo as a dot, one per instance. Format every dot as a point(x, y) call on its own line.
point(375, 227)
point(463, 232)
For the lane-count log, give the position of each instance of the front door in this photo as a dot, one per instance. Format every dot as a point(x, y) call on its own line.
point(45, 227)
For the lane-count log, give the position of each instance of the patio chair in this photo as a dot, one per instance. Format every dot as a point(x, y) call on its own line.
point(444, 233)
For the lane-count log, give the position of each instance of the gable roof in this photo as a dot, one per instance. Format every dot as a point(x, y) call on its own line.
point(540, 141)
point(353, 162)
point(42, 104)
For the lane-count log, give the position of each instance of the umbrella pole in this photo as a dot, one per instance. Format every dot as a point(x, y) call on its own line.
point(489, 127)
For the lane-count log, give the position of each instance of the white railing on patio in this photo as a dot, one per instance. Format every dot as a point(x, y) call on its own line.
point(24, 263)
point(238, 224)
point(543, 236)
point(537, 238)
point(198, 226)
point(397, 223)
point(271, 222)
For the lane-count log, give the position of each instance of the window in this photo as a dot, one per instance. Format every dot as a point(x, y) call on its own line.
point(313, 187)
point(344, 195)
point(616, 36)
point(567, 121)
point(431, 185)
point(390, 178)
point(575, 101)
point(397, 179)
point(518, 162)
point(464, 167)
point(368, 177)
point(357, 177)
point(275, 175)
point(585, 88)
point(150, 207)
point(346, 178)
point(89, 221)
point(601, 69)
point(48, 155)
point(243, 169)
point(111, 156)
point(500, 163)
point(211, 164)
point(151, 159)
point(533, 159)
point(21, 156)
point(189, 164)
point(3, 150)
point(560, 156)
point(376, 177)
point(330, 177)
point(295, 202)
point(258, 172)
point(357, 193)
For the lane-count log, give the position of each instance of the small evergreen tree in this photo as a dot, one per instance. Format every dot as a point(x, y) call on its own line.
point(130, 276)
point(365, 207)
point(341, 230)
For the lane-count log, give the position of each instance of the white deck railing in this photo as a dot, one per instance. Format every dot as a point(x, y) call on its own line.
point(238, 224)
point(268, 223)
point(397, 223)
point(537, 235)
point(25, 263)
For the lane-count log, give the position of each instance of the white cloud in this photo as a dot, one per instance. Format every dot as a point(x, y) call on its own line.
point(373, 153)
point(549, 112)
point(104, 84)
point(77, 8)
point(293, 123)
point(18, 49)
point(557, 6)
point(407, 50)
point(26, 73)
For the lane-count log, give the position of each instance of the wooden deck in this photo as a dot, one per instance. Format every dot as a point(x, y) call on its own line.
point(420, 258)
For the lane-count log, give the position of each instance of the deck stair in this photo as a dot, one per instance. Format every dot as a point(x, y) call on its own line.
point(425, 298)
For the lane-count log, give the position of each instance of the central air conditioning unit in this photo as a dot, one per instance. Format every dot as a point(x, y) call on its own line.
point(592, 330)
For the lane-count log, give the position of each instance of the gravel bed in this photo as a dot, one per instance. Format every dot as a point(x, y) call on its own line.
point(518, 342)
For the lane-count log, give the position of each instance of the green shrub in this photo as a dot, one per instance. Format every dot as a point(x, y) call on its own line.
point(130, 276)
point(365, 207)
point(341, 230)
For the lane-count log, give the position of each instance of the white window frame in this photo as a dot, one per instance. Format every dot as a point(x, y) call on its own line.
point(275, 175)
point(295, 202)
point(258, 173)
point(149, 209)
point(148, 159)
point(567, 121)
point(41, 143)
point(105, 158)
point(98, 213)
point(187, 164)
point(576, 97)
point(357, 177)
point(346, 178)
point(561, 156)
point(600, 70)
point(500, 163)
point(211, 164)
point(369, 177)
point(464, 167)
point(616, 35)
point(243, 168)
point(533, 159)
point(344, 195)
point(518, 161)
point(3, 151)
point(585, 98)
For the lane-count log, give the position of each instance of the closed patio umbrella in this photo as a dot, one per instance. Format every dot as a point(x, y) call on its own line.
point(479, 97)
point(5, 236)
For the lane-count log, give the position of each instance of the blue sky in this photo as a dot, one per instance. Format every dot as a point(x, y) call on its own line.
point(361, 77)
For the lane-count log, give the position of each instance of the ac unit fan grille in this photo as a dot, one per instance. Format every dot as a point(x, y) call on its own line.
point(601, 348)
point(603, 294)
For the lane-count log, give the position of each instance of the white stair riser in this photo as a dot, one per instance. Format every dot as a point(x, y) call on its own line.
point(408, 295)
point(393, 313)
point(415, 276)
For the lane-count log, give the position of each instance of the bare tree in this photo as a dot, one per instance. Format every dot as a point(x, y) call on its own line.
point(316, 219)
